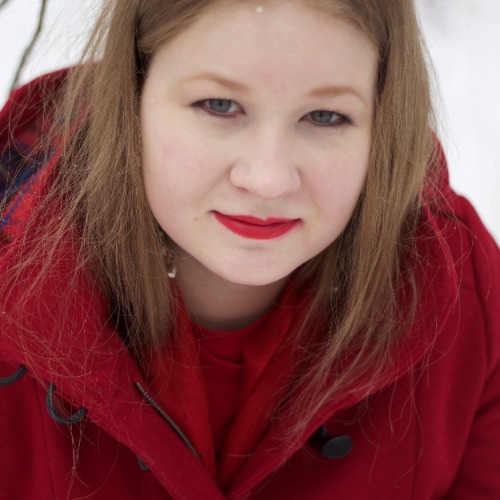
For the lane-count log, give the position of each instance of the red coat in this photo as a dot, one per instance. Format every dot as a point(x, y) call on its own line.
point(431, 430)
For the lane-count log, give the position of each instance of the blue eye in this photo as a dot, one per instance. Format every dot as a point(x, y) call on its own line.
point(219, 106)
point(324, 118)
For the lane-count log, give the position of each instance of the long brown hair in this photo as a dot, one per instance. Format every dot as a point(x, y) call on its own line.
point(99, 184)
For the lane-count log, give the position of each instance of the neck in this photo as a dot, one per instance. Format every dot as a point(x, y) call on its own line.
point(218, 304)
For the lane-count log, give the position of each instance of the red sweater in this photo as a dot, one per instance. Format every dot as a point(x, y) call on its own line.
point(430, 430)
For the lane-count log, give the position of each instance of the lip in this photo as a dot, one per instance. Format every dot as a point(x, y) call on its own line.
point(255, 228)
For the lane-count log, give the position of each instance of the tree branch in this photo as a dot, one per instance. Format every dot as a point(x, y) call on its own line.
point(3, 3)
point(34, 39)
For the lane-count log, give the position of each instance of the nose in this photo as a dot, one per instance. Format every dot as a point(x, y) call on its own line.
point(265, 166)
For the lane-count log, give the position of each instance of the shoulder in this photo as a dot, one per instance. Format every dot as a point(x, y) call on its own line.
point(25, 121)
point(461, 377)
point(476, 257)
point(472, 257)
point(27, 112)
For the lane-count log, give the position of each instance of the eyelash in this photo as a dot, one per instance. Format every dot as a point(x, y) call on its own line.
point(203, 105)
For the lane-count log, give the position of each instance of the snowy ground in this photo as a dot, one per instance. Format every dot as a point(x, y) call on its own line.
point(463, 39)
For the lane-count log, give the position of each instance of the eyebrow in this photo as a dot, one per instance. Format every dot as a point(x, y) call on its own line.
point(214, 77)
point(336, 90)
point(321, 92)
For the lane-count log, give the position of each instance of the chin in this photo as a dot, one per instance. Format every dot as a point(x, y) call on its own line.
point(254, 279)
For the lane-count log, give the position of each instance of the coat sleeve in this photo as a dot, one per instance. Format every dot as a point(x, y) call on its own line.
point(478, 477)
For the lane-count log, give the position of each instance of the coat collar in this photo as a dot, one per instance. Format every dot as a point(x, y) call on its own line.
point(65, 339)
point(76, 349)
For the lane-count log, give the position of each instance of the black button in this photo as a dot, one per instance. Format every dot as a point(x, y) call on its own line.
point(142, 465)
point(337, 447)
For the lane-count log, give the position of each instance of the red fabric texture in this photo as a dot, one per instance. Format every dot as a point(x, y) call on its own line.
point(430, 430)
point(223, 365)
point(266, 363)
point(221, 359)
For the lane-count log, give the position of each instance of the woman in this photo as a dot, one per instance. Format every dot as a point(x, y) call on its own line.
point(232, 265)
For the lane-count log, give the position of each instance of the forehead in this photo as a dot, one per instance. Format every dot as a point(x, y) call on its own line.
point(259, 39)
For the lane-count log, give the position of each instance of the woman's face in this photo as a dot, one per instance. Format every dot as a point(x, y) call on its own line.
point(256, 125)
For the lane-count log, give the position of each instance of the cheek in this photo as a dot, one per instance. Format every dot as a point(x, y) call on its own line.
point(173, 154)
point(339, 182)
point(177, 174)
point(162, 175)
point(166, 162)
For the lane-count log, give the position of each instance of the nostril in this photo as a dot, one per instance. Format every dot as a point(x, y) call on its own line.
point(266, 182)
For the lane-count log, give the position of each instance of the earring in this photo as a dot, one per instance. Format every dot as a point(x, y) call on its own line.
point(173, 272)
point(167, 253)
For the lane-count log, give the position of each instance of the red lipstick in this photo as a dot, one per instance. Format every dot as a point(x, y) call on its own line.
point(254, 228)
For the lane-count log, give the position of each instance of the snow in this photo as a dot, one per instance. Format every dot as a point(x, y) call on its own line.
point(463, 40)
point(464, 43)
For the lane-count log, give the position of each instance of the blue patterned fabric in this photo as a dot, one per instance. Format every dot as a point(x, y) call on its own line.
point(18, 171)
